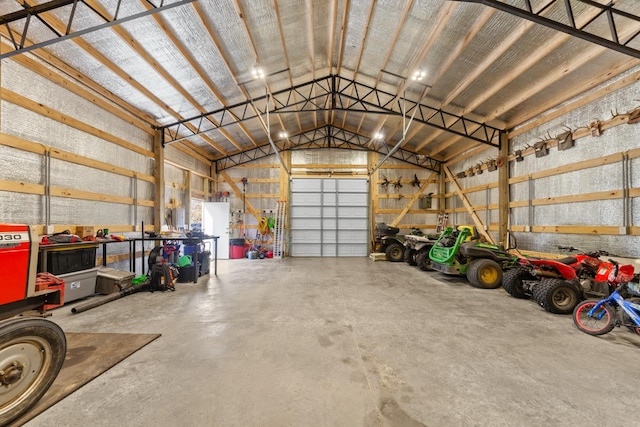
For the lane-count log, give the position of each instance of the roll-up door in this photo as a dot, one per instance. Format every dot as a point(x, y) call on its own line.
point(329, 217)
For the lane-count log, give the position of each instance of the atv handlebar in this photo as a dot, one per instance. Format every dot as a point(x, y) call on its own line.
point(594, 254)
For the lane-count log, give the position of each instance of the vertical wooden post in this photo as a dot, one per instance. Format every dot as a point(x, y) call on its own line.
point(158, 173)
point(187, 208)
point(374, 190)
point(503, 190)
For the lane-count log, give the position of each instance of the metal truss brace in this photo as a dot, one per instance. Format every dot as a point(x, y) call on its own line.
point(327, 137)
point(333, 93)
point(19, 23)
point(564, 11)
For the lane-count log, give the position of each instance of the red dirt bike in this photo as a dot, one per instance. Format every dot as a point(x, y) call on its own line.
point(558, 285)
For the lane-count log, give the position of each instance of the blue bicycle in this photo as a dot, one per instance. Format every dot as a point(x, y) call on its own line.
point(600, 317)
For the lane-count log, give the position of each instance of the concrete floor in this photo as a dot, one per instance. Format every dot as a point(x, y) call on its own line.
point(348, 342)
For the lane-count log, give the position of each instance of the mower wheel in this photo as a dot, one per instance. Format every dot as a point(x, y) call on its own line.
point(558, 296)
point(512, 282)
point(395, 252)
point(31, 353)
point(423, 261)
point(410, 256)
point(484, 273)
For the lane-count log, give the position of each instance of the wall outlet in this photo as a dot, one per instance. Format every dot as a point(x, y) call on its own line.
point(622, 230)
point(527, 228)
point(48, 229)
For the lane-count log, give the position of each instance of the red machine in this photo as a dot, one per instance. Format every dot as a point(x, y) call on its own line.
point(32, 349)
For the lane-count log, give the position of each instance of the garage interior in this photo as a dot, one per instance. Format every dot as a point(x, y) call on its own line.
point(516, 117)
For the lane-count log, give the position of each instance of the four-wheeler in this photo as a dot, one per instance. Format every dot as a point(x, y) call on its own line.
point(558, 285)
point(416, 250)
point(392, 243)
point(460, 252)
point(32, 349)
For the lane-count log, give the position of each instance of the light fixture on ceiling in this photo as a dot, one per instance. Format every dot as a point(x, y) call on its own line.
point(257, 72)
point(378, 135)
point(418, 75)
point(283, 135)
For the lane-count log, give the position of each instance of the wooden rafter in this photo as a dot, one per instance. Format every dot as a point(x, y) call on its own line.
point(147, 57)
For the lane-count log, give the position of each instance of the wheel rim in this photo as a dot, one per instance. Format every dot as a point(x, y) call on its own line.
point(23, 366)
point(396, 253)
point(489, 275)
point(564, 298)
point(591, 323)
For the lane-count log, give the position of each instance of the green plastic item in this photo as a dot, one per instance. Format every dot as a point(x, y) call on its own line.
point(184, 261)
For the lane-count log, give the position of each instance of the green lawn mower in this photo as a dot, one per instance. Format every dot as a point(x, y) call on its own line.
point(458, 251)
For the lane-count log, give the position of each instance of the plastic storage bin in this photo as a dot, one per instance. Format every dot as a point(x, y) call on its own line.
point(80, 284)
point(110, 280)
point(69, 260)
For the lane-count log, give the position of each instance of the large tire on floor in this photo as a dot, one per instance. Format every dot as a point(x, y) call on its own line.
point(31, 354)
point(600, 323)
point(395, 252)
point(410, 256)
point(484, 273)
point(512, 282)
point(558, 296)
point(423, 261)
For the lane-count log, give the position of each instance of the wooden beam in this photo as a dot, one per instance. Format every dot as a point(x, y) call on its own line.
point(238, 192)
point(45, 111)
point(503, 191)
point(474, 216)
point(415, 197)
point(158, 209)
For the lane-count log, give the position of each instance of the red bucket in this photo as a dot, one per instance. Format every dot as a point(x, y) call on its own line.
point(236, 252)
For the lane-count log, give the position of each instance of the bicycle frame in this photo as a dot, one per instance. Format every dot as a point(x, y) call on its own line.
point(632, 309)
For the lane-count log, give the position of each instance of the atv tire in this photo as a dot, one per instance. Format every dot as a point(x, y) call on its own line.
point(410, 256)
point(423, 261)
point(512, 282)
point(558, 296)
point(394, 252)
point(484, 273)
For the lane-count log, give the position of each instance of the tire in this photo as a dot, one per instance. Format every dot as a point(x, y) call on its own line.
point(484, 273)
point(537, 294)
point(512, 282)
point(32, 352)
point(394, 252)
point(593, 325)
point(410, 256)
point(423, 261)
point(558, 296)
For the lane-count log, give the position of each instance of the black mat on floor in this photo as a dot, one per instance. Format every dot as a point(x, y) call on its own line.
point(88, 356)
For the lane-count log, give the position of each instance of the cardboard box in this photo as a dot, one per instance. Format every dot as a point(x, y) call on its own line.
point(86, 231)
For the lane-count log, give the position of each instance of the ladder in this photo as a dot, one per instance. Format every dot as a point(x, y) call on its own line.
point(278, 230)
point(441, 224)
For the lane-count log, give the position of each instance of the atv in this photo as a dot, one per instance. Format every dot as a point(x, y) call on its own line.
point(558, 285)
point(416, 250)
point(392, 243)
point(459, 251)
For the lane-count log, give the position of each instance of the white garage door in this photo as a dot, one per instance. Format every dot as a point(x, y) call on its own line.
point(329, 217)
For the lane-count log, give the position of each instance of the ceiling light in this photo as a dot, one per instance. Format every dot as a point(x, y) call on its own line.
point(283, 135)
point(419, 75)
point(257, 72)
point(378, 135)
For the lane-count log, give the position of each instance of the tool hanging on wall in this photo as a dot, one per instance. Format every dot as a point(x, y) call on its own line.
point(416, 181)
point(398, 183)
point(244, 201)
point(441, 224)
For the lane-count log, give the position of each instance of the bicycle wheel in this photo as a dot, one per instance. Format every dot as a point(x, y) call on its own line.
point(600, 323)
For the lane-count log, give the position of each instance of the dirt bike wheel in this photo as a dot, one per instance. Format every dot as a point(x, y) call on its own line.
point(410, 256)
point(394, 252)
point(484, 273)
point(557, 296)
point(423, 261)
point(593, 325)
point(512, 282)
point(32, 352)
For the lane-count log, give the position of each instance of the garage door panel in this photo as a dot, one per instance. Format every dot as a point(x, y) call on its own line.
point(352, 212)
point(306, 236)
point(305, 223)
point(329, 217)
point(353, 199)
